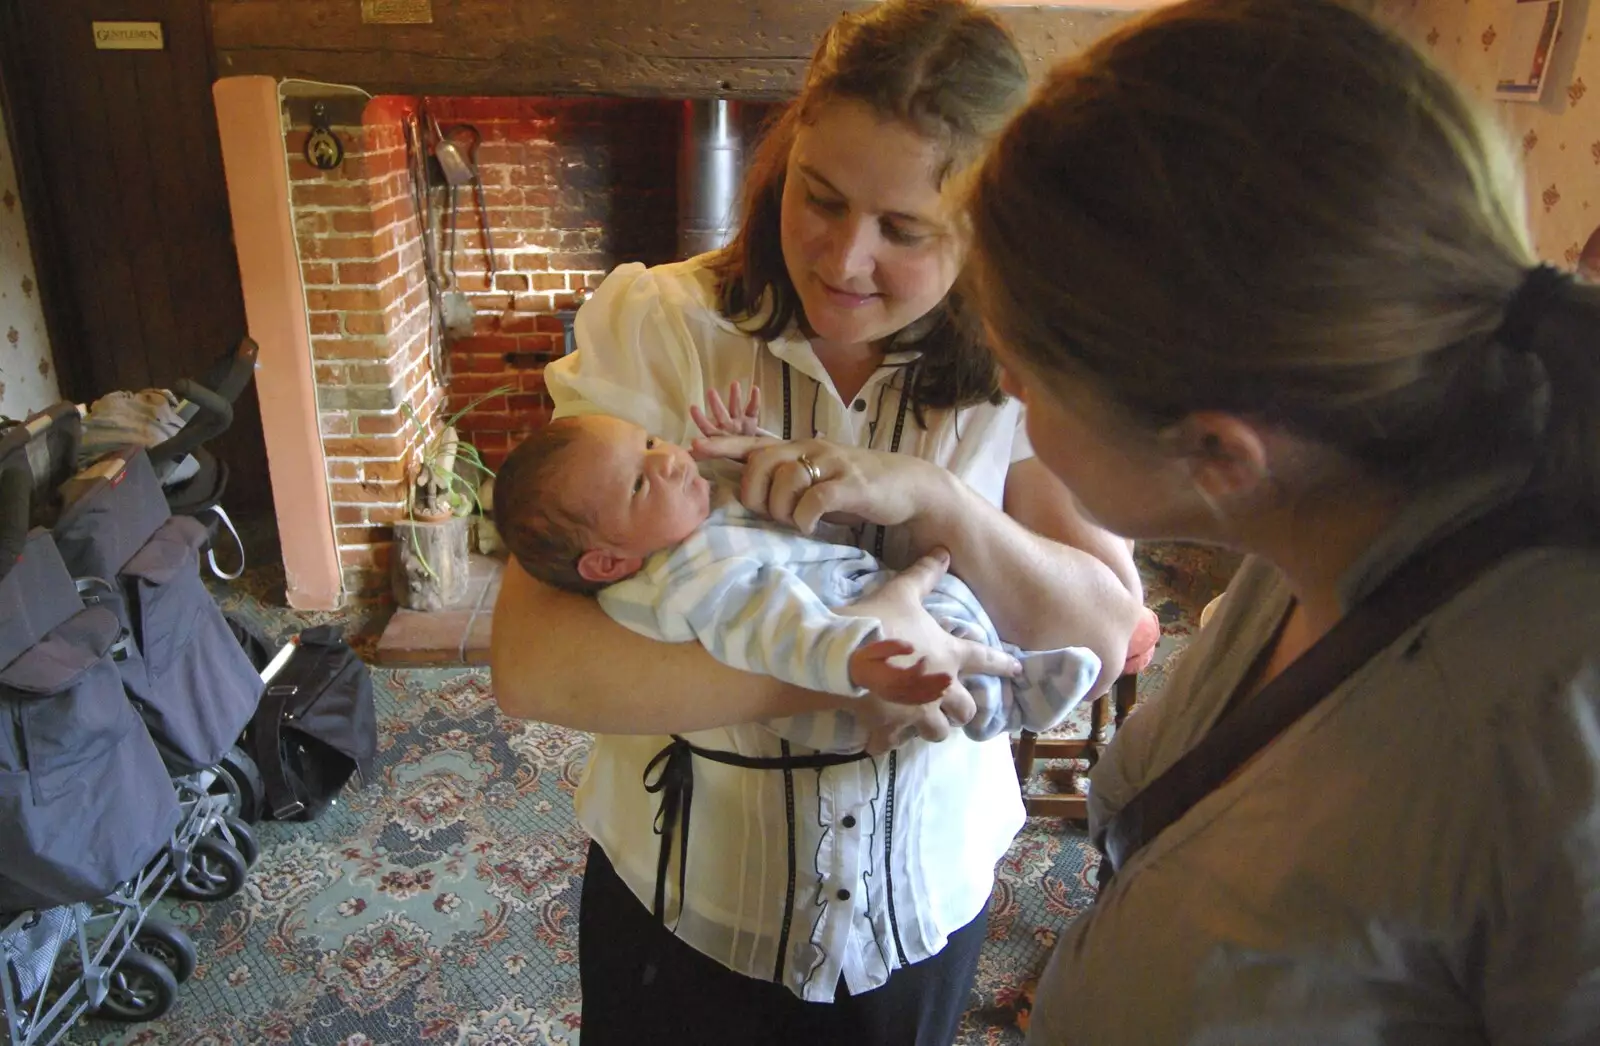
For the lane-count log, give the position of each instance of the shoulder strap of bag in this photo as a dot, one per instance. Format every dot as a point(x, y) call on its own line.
point(1421, 585)
point(267, 733)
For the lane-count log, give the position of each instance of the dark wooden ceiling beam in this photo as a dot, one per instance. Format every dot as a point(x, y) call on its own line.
point(631, 48)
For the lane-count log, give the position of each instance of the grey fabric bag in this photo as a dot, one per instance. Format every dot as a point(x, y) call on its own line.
point(141, 419)
point(29, 946)
point(186, 673)
point(85, 802)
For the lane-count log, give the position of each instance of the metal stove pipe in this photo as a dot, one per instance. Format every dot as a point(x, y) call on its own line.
point(710, 172)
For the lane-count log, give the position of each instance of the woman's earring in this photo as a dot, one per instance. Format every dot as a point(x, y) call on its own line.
point(1209, 458)
point(1212, 504)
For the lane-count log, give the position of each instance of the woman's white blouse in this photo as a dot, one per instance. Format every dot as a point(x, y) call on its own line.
point(891, 854)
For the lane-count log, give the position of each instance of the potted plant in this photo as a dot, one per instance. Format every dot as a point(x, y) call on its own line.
point(431, 567)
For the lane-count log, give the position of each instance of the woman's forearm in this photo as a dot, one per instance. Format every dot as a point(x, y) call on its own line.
point(1039, 592)
point(556, 657)
point(1043, 504)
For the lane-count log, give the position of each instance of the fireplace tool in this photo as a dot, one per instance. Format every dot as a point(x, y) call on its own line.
point(458, 311)
point(477, 188)
point(417, 162)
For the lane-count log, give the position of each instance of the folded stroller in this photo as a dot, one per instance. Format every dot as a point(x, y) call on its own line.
point(95, 670)
point(193, 479)
point(47, 447)
point(85, 801)
point(193, 684)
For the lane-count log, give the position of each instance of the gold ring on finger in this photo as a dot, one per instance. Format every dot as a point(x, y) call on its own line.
point(811, 469)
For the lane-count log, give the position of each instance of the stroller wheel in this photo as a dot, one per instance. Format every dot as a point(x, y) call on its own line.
point(163, 941)
point(235, 831)
point(216, 871)
point(240, 780)
point(142, 988)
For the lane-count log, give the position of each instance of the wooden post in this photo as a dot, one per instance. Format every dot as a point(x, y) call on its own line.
point(431, 568)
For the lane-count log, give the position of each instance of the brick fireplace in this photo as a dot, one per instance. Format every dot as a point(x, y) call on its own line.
point(571, 188)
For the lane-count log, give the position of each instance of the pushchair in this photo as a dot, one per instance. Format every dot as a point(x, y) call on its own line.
point(102, 528)
point(132, 567)
point(58, 441)
point(181, 666)
point(86, 799)
point(193, 684)
point(88, 811)
point(204, 411)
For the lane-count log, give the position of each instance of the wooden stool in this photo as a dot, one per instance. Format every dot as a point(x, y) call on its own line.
point(1107, 710)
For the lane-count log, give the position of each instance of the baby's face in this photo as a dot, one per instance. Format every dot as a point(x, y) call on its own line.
point(641, 493)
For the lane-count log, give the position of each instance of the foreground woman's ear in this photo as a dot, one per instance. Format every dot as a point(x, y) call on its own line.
point(1225, 455)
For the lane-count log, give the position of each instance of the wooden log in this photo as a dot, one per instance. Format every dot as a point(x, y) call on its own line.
point(756, 49)
point(431, 568)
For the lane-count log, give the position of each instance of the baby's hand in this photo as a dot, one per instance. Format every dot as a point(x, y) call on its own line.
point(912, 685)
point(737, 417)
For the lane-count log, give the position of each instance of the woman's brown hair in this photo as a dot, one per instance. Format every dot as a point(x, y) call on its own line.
point(944, 68)
point(1282, 210)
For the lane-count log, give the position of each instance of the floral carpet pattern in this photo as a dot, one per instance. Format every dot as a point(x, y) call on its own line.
point(439, 904)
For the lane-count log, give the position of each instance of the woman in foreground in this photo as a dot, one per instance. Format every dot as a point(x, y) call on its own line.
point(1262, 277)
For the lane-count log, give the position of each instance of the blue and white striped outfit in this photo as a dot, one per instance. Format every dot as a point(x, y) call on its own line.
point(759, 596)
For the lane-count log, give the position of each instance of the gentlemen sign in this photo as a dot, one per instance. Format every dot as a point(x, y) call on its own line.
point(128, 36)
point(397, 12)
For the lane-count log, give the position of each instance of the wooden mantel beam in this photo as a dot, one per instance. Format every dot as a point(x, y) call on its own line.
point(754, 49)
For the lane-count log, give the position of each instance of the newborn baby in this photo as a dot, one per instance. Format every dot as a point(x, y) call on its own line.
point(595, 504)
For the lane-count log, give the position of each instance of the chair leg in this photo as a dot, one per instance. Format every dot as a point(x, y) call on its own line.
point(1108, 711)
point(1099, 728)
point(1126, 694)
point(1022, 757)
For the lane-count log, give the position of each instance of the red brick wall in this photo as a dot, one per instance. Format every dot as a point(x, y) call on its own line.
point(361, 262)
point(572, 188)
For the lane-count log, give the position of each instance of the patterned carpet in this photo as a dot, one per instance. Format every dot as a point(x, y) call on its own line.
point(440, 904)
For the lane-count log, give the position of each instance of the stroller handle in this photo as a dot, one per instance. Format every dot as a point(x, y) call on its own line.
point(228, 377)
point(214, 416)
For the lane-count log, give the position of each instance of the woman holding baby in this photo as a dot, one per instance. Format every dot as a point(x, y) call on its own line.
point(839, 902)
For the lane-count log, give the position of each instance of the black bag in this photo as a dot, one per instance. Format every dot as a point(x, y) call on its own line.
point(315, 727)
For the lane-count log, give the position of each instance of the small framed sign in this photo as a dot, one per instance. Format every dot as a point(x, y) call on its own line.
point(128, 36)
point(397, 12)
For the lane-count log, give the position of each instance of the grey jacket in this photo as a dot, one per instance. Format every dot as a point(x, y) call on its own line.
point(1416, 861)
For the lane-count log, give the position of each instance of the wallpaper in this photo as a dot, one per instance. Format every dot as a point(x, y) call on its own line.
point(1560, 134)
point(27, 377)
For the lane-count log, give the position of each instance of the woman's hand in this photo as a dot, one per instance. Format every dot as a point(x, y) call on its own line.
point(852, 482)
point(890, 725)
point(933, 651)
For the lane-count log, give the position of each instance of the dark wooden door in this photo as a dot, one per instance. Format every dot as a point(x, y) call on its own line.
point(123, 181)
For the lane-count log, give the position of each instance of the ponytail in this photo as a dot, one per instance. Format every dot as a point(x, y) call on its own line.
point(1564, 336)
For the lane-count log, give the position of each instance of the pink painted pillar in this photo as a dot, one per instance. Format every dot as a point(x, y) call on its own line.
point(275, 308)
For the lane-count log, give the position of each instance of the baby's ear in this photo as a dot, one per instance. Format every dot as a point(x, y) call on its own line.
point(602, 567)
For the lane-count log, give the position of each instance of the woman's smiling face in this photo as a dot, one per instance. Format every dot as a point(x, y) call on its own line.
point(868, 239)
